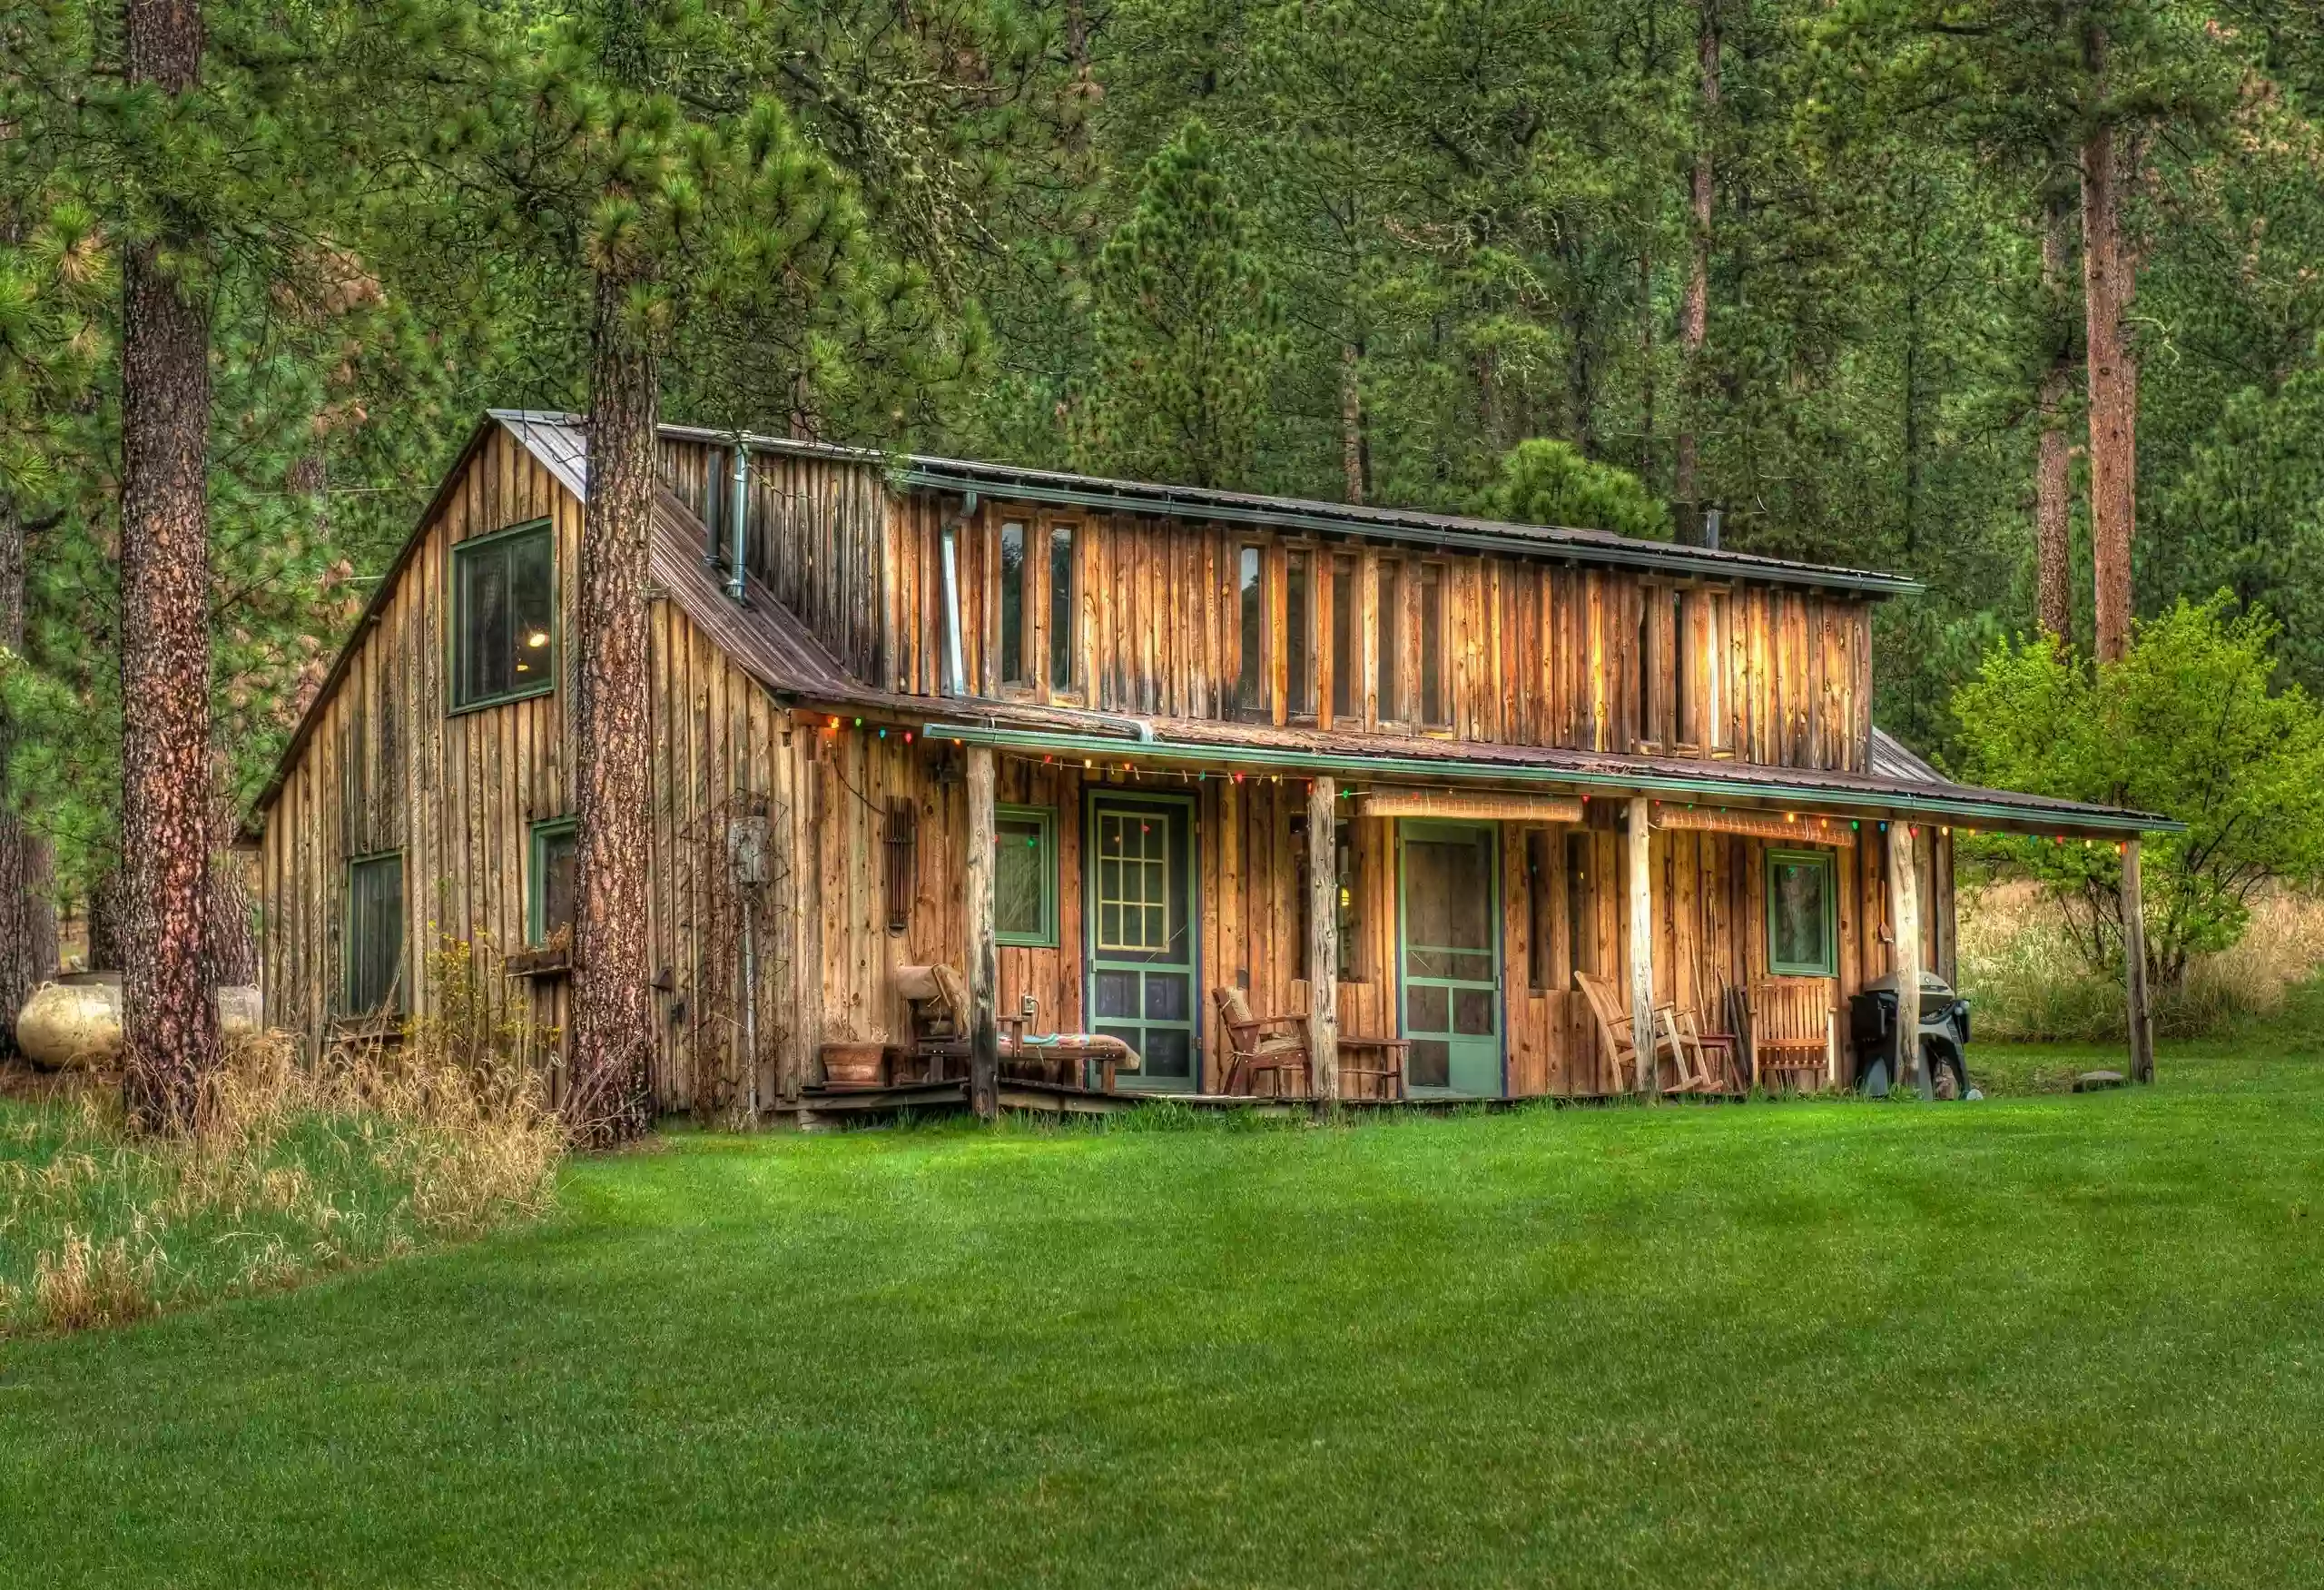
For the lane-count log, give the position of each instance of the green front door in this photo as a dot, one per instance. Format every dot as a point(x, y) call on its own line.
point(1448, 957)
point(1138, 863)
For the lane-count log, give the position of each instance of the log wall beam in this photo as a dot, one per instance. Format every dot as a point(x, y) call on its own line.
point(1904, 917)
point(1323, 934)
point(984, 954)
point(2140, 1012)
point(1642, 968)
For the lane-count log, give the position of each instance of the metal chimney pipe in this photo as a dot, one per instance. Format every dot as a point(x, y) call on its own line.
point(1710, 528)
point(738, 520)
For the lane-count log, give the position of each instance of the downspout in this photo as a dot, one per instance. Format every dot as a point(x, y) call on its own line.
point(956, 672)
point(738, 520)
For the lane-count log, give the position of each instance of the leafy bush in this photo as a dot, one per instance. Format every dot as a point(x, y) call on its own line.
point(1545, 482)
point(2190, 725)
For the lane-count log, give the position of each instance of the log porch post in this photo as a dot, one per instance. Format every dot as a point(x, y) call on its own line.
point(1904, 915)
point(1641, 898)
point(2140, 1014)
point(984, 958)
point(1323, 935)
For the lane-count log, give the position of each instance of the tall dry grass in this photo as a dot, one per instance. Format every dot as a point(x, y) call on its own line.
point(2025, 980)
point(300, 1170)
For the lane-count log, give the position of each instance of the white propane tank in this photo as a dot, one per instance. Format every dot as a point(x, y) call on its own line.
point(75, 1022)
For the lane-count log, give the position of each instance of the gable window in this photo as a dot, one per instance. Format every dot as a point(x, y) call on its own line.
point(1013, 574)
point(375, 933)
point(504, 615)
point(1387, 639)
point(550, 904)
point(1802, 936)
point(1024, 875)
point(1298, 681)
point(1436, 710)
point(1061, 607)
point(1250, 697)
point(1345, 661)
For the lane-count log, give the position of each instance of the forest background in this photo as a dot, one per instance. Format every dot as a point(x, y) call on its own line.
point(1819, 264)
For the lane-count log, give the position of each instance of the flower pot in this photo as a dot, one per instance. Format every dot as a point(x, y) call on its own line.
point(851, 1065)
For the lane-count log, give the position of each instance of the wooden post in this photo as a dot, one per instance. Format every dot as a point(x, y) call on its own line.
point(1641, 897)
point(984, 956)
point(1323, 935)
point(2142, 1014)
point(1904, 915)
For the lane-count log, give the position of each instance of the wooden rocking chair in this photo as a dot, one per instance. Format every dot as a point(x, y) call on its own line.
point(1269, 1049)
point(1674, 1033)
point(1793, 1031)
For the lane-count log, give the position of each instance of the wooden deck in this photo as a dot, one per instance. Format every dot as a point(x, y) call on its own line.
point(825, 1108)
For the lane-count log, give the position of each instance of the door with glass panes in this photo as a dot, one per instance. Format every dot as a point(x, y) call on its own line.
point(1448, 944)
point(1137, 861)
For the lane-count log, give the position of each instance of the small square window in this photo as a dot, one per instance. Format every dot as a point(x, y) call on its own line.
point(1024, 875)
point(550, 906)
point(375, 933)
point(504, 617)
point(1802, 935)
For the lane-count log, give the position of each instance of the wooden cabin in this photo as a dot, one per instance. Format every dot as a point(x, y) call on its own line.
point(1127, 759)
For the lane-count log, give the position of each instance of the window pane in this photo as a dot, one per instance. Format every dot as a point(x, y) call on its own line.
point(1061, 607)
point(1169, 1052)
point(1299, 688)
point(532, 590)
point(504, 622)
point(1388, 639)
point(1448, 893)
point(1431, 645)
point(1020, 877)
point(1800, 913)
point(553, 854)
point(375, 933)
point(1343, 661)
point(1013, 604)
point(1430, 1064)
point(1681, 662)
point(1248, 698)
point(1428, 1008)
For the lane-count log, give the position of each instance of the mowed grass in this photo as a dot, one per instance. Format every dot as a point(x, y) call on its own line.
point(2044, 1339)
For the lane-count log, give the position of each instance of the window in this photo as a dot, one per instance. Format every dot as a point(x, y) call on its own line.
point(1715, 734)
point(1250, 697)
point(1643, 730)
point(375, 933)
point(1801, 937)
point(1013, 604)
point(1580, 950)
point(1024, 875)
point(1387, 639)
point(1350, 916)
point(1434, 710)
point(1682, 663)
point(1538, 911)
point(1298, 683)
point(504, 617)
point(1061, 607)
point(549, 902)
point(1344, 662)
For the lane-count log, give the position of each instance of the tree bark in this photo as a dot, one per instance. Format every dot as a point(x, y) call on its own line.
point(612, 1038)
point(104, 921)
point(2054, 469)
point(1352, 420)
point(27, 912)
point(233, 940)
point(2108, 285)
point(1694, 317)
point(170, 1027)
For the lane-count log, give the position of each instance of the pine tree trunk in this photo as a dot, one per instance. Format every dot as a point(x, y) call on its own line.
point(233, 939)
point(1694, 316)
point(2113, 377)
point(27, 913)
point(1352, 420)
point(105, 922)
point(2054, 469)
point(612, 1037)
point(170, 1027)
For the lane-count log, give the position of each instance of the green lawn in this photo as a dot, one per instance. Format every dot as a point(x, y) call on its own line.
point(2040, 1340)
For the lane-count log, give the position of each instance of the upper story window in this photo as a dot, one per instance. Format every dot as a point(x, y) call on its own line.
point(1715, 729)
point(1686, 657)
point(1250, 596)
point(1014, 574)
point(1063, 606)
point(1387, 639)
point(1435, 701)
point(1344, 663)
point(504, 615)
point(1298, 654)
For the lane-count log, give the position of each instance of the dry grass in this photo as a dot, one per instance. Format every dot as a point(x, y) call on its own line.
point(298, 1172)
point(2025, 981)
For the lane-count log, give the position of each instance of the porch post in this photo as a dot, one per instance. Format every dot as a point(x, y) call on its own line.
point(1641, 895)
point(984, 961)
point(1904, 915)
point(1323, 935)
point(2142, 1014)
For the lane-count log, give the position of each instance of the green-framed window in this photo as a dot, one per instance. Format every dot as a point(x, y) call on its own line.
point(1803, 914)
point(504, 615)
point(548, 880)
point(1024, 875)
point(375, 933)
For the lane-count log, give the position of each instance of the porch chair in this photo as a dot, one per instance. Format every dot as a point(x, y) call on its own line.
point(1674, 1033)
point(1793, 1031)
point(1273, 1049)
point(938, 998)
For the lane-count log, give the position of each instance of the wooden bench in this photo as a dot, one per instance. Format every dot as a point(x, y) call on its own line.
point(1793, 1030)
